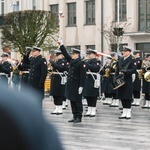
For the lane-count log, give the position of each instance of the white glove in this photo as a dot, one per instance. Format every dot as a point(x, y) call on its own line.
point(133, 77)
point(80, 90)
point(60, 42)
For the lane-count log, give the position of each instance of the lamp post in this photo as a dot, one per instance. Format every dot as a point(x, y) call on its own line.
point(118, 20)
point(117, 30)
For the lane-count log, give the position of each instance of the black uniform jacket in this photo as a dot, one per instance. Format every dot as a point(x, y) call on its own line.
point(37, 74)
point(145, 84)
point(107, 80)
point(92, 66)
point(76, 76)
point(6, 68)
point(58, 89)
point(128, 66)
point(137, 82)
point(25, 64)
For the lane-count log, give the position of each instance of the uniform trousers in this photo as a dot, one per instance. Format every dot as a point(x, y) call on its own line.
point(91, 101)
point(136, 94)
point(24, 81)
point(77, 109)
point(58, 100)
point(126, 103)
point(108, 95)
point(114, 95)
point(64, 98)
point(147, 97)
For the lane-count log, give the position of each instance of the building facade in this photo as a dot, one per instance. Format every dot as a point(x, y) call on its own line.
point(83, 22)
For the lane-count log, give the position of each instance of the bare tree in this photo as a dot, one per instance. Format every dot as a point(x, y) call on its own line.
point(113, 33)
point(28, 28)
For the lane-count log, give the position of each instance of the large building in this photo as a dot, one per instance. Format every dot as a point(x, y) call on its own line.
point(89, 23)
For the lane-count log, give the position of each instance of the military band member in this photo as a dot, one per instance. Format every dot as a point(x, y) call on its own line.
point(106, 80)
point(138, 77)
point(126, 67)
point(24, 67)
point(58, 81)
point(37, 74)
point(91, 88)
point(5, 69)
point(113, 66)
point(75, 82)
point(146, 84)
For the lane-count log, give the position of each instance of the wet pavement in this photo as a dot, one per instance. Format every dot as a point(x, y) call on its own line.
point(103, 132)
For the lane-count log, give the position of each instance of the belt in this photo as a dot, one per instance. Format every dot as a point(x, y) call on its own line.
point(112, 73)
point(3, 74)
point(25, 71)
point(60, 73)
point(92, 73)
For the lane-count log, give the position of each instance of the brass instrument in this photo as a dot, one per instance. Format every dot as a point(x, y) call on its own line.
point(140, 73)
point(107, 72)
point(114, 64)
point(146, 66)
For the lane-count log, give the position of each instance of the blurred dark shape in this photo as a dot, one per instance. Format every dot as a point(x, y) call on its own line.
point(118, 31)
point(22, 126)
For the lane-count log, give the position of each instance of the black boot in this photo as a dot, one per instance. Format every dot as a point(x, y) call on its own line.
point(77, 120)
point(72, 120)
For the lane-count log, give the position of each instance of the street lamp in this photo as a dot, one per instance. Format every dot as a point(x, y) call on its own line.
point(117, 30)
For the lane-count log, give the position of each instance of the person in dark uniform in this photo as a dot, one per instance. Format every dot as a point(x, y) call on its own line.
point(138, 77)
point(113, 66)
point(146, 84)
point(91, 88)
point(75, 82)
point(106, 80)
point(58, 81)
point(5, 69)
point(37, 73)
point(24, 67)
point(126, 67)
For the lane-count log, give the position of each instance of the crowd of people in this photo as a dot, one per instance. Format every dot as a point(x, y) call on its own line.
point(120, 80)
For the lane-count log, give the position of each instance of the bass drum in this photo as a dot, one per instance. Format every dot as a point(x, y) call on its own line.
point(118, 82)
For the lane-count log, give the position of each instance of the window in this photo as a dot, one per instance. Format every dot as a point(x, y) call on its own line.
point(143, 47)
point(54, 9)
point(34, 4)
point(114, 47)
point(71, 14)
point(90, 12)
point(16, 6)
point(122, 10)
point(2, 13)
point(144, 15)
point(2, 7)
point(69, 48)
point(90, 46)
